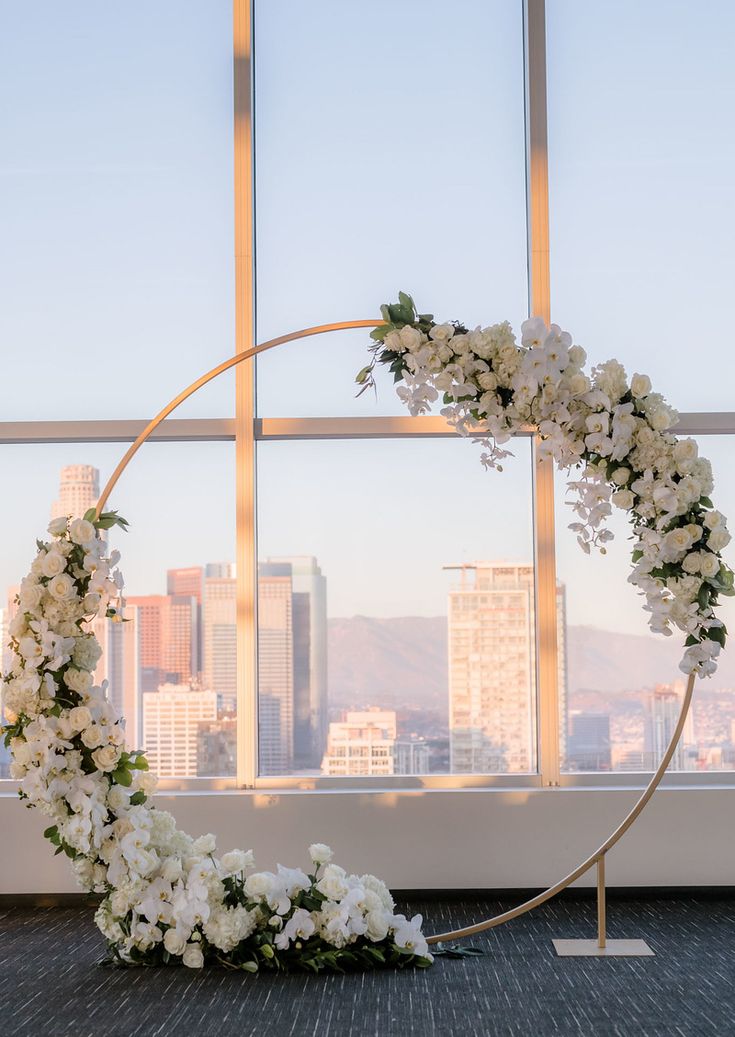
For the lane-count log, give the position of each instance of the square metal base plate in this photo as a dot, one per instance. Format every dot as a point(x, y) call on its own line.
point(612, 949)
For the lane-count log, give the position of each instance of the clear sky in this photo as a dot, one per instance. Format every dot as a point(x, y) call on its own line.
point(389, 155)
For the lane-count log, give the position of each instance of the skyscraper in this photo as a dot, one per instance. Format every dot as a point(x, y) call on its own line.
point(189, 583)
point(309, 636)
point(167, 639)
point(219, 640)
point(589, 742)
point(275, 673)
point(662, 708)
point(363, 744)
point(492, 668)
point(78, 491)
point(172, 717)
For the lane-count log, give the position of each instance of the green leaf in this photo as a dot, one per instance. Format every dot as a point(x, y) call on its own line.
point(718, 634)
point(691, 640)
point(140, 763)
point(49, 833)
point(122, 777)
point(138, 798)
point(89, 514)
point(407, 302)
point(363, 374)
point(706, 502)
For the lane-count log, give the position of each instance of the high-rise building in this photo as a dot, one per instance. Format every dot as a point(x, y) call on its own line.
point(171, 720)
point(309, 636)
point(662, 709)
point(219, 640)
point(167, 639)
point(589, 742)
point(363, 744)
point(411, 756)
point(217, 748)
point(189, 583)
point(78, 491)
point(275, 673)
point(492, 668)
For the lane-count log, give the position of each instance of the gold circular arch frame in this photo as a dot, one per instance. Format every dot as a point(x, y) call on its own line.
point(596, 858)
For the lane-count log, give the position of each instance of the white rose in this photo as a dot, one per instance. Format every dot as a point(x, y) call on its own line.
point(78, 680)
point(320, 853)
point(709, 564)
point(30, 596)
point(621, 475)
point(258, 885)
point(718, 539)
point(579, 384)
point(93, 736)
point(691, 563)
point(106, 758)
point(236, 861)
point(713, 519)
point(81, 531)
point(117, 798)
point(79, 718)
point(623, 499)
point(661, 418)
point(193, 957)
point(441, 332)
point(175, 943)
point(52, 563)
point(640, 385)
point(411, 338)
point(57, 526)
point(205, 844)
point(61, 587)
point(678, 540)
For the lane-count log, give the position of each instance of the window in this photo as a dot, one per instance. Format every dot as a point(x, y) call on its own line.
point(323, 591)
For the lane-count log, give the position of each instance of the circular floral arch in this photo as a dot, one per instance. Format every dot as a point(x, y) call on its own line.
point(168, 898)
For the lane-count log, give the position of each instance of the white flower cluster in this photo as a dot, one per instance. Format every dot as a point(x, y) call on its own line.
point(166, 896)
point(613, 428)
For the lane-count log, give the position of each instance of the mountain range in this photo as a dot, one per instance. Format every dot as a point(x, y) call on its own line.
point(403, 662)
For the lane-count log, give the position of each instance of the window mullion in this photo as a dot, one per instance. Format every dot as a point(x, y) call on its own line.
point(247, 727)
point(537, 202)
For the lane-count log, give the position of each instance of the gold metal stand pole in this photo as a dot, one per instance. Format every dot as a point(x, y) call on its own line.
point(601, 902)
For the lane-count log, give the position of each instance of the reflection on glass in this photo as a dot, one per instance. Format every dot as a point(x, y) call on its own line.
point(395, 626)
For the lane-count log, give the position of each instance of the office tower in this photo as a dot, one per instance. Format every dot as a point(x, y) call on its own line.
point(309, 626)
point(492, 668)
point(171, 719)
point(166, 639)
point(78, 491)
point(119, 665)
point(217, 748)
point(219, 641)
point(275, 674)
point(361, 744)
point(589, 742)
point(411, 756)
point(189, 583)
point(662, 709)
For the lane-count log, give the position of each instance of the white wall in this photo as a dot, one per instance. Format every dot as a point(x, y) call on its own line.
point(433, 839)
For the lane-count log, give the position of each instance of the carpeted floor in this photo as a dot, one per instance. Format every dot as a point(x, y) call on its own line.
point(51, 982)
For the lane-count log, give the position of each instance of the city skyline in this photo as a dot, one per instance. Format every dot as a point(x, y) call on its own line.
point(172, 672)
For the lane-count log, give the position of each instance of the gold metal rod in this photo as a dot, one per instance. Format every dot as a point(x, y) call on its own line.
point(601, 902)
point(152, 425)
point(541, 898)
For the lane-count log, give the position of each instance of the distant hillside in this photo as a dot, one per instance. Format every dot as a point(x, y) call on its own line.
point(388, 662)
point(403, 662)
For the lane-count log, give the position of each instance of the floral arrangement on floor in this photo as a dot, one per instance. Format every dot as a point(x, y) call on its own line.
point(613, 429)
point(166, 897)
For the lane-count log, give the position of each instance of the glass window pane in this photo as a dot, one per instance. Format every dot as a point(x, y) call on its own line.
point(624, 683)
point(390, 155)
point(396, 609)
point(640, 99)
point(171, 668)
point(116, 267)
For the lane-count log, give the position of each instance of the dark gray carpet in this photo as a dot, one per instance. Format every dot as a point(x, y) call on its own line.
point(51, 983)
